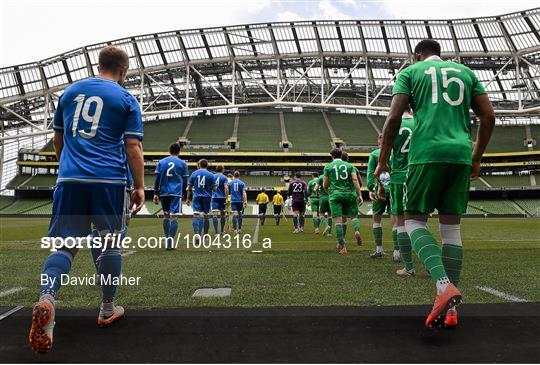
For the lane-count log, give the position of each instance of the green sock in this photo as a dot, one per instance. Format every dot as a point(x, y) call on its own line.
point(405, 250)
point(344, 225)
point(452, 257)
point(395, 239)
point(356, 224)
point(377, 235)
point(428, 252)
point(316, 222)
point(323, 222)
point(330, 223)
point(340, 234)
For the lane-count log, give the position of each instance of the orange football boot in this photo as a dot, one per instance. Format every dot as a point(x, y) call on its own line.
point(451, 297)
point(41, 332)
point(451, 320)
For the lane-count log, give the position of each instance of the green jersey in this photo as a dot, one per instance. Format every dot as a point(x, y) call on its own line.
point(440, 93)
point(399, 161)
point(372, 165)
point(322, 192)
point(311, 188)
point(339, 174)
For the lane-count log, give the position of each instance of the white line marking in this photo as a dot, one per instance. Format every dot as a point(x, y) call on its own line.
point(257, 251)
point(11, 311)
point(256, 233)
point(5, 293)
point(127, 253)
point(501, 294)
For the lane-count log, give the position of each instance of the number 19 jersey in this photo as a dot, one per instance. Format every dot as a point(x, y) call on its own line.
point(95, 115)
point(339, 173)
point(440, 93)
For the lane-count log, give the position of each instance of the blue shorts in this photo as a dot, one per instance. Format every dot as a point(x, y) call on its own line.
point(171, 204)
point(237, 207)
point(219, 204)
point(201, 204)
point(77, 206)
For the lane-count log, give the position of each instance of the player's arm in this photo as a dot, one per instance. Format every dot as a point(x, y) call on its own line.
point(58, 127)
point(357, 188)
point(325, 183)
point(226, 189)
point(58, 142)
point(390, 130)
point(481, 105)
point(157, 183)
point(134, 153)
point(244, 198)
point(189, 191)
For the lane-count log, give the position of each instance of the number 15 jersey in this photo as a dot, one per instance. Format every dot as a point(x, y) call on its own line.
point(95, 115)
point(441, 93)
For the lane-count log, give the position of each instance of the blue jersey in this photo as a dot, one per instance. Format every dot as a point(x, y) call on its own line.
point(169, 176)
point(202, 182)
point(219, 180)
point(95, 115)
point(236, 189)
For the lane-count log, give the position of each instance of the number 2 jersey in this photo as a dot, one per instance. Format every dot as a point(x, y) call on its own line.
point(440, 96)
point(95, 115)
point(169, 176)
point(400, 151)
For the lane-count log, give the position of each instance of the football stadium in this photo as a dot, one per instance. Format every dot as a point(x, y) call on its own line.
point(263, 278)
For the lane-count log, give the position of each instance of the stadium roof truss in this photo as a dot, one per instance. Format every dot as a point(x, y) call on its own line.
point(320, 64)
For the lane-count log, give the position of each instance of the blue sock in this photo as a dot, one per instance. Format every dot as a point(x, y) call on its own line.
point(206, 224)
point(166, 226)
point(235, 221)
point(240, 218)
point(110, 266)
point(215, 223)
point(173, 227)
point(222, 222)
point(57, 264)
point(195, 224)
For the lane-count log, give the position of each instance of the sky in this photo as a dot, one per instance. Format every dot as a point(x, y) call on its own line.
point(31, 30)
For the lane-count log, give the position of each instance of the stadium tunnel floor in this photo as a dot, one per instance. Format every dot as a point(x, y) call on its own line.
point(503, 332)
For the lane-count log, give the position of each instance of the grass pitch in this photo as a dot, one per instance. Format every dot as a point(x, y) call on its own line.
point(298, 270)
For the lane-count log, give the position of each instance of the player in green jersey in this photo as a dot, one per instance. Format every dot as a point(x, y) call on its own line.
point(398, 175)
point(313, 196)
point(381, 204)
point(441, 162)
point(324, 208)
point(339, 180)
point(354, 213)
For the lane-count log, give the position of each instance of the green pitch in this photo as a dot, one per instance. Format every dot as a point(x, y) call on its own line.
point(301, 269)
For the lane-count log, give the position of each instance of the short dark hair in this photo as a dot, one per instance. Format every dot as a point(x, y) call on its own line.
point(344, 156)
point(220, 168)
point(174, 149)
point(315, 174)
point(263, 190)
point(203, 163)
point(336, 153)
point(229, 175)
point(429, 46)
point(237, 173)
point(113, 59)
point(297, 175)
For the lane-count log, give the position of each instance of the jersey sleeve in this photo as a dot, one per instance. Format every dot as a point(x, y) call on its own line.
point(58, 123)
point(191, 180)
point(403, 83)
point(325, 171)
point(134, 127)
point(372, 164)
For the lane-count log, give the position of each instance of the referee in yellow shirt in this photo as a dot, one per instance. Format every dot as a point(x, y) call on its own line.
point(262, 200)
point(277, 201)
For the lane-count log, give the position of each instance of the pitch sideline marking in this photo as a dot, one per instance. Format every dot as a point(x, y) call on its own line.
point(5, 293)
point(11, 311)
point(501, 294)
point(127, 253)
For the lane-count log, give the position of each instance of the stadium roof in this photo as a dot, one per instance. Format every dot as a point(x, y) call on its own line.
point(307, 63)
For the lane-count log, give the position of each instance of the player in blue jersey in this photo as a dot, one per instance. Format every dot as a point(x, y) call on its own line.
point(237, 189)
point(170, 178)
point(96, 120)
point(219, 199)
point(200, 186)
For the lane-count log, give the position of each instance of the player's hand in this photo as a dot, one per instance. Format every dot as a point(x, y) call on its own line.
point(156, 199)
point(360, 199)
point(381, 192)
point(372, 196)
point(244, 204)
point(137, 200)
point(379, 170)
point(475, 171)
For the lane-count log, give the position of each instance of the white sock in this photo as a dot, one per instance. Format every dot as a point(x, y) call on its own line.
point(107, 308)
point(378, 249)
point(47, 297)
point(442, 283)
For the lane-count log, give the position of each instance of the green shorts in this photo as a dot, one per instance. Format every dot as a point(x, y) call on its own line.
point(314, 205)
point(382, 206)
point(343, 203)
point(324, 205)
point(441, 186)
point(396, 199)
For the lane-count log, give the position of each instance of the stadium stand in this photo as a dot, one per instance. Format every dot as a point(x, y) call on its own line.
point(6, 201)
point(478, 184)
point(42, 181)
point(492, 207)
point(18, 180)
point(531, 206)
point(535, 132)
point(506, 139)
point(307, 132)
point(211, 130)
point(259, 132)
point(29, 206)
point(354, 130)
point(508, 180)
point(158, 135)
point(262, 181)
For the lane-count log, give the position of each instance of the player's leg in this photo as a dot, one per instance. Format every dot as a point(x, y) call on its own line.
point(377, 230)
point(175, 210)
point(215, 213)
point(353, 214)
point(207, 202)
point(165, 207)
point(396, 256)
point(277, 213)
point(296, 215)
point(108, 215)
point(425, 186)
point(315, 215)
point(404, 242)
point(336, 207)
point(302, 216)
point(197, 221)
